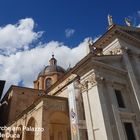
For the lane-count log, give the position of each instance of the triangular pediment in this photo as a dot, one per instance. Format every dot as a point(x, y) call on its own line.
point(132, 34)
point(133, 31)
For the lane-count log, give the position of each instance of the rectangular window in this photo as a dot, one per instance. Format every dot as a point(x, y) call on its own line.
point(119, 98)
point(129, 131)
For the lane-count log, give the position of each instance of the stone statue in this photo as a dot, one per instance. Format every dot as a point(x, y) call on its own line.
point(110, 20)
point(90, 42)
point(90, 45)
point(128, 22)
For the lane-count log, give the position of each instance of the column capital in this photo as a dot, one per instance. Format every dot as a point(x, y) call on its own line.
point(126, 50)
point(91, 81)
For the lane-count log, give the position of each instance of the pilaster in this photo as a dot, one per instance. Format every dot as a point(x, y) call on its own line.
point(131, 76)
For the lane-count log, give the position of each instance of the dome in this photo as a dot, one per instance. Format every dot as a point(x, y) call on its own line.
point(51, 69)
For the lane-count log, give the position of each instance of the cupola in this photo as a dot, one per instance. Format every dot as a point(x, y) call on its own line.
point(49, 75)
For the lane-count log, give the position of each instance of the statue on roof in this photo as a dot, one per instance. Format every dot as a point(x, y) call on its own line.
point(94, 50)
point(110, 20)
point(128, 22)
point(90, 42)
point(89, 45)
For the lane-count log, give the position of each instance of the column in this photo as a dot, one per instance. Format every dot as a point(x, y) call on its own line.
point(106, 118)
point(132, 77)
point(88, 116)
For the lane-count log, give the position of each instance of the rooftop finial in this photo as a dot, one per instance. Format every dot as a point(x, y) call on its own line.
point(53, 61)
point(69, 67)
point(110, 20)
point(90, 41)
point(52, 54)
point(128, 22)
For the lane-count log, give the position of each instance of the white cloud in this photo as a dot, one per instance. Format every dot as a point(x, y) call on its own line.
point(17, 37)
point(25, 65)
point(96, 38)
point(69, 32)
point(138, 25)
point(138, 13)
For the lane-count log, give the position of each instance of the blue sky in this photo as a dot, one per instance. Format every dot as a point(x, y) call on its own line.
point(30, 30)
point(86, 17)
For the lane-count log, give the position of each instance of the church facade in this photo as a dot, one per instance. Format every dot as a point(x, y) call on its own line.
point(97, 99)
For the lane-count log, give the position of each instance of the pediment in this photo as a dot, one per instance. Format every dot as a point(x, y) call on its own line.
point(131, 34)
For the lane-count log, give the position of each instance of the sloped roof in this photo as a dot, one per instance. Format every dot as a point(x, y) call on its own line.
point(131, 33)
point(51, 69)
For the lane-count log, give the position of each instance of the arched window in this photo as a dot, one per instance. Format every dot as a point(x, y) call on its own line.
point(30, 135)
point(19, 132)
point(48, 82)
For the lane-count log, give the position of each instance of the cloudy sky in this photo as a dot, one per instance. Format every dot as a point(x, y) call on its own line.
point(31, 30)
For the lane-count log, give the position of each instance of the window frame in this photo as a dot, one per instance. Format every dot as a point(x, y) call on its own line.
point(122, 98)
point(47, 86)
point(133, 126)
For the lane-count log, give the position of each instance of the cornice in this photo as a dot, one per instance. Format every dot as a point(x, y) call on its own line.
point(129, 37)
point(130, 28)
point(62, 85)
point(117, 31)
point(108, 67)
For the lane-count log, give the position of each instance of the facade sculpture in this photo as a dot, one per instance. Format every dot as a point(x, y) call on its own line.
point(110, 20)
point(128, 22)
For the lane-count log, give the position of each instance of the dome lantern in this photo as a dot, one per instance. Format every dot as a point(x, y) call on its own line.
point(53, 61)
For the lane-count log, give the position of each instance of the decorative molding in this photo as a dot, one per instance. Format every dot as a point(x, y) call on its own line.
point(84, 86)
point(118, 32)
point(91, 81)
point(127, 115)
point(117, 51)
point(130, 52)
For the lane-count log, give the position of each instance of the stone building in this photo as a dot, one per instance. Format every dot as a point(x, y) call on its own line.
point(97, 99)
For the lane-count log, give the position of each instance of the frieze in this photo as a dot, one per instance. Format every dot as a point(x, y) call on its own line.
point(131, 52)
point(116, 51)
